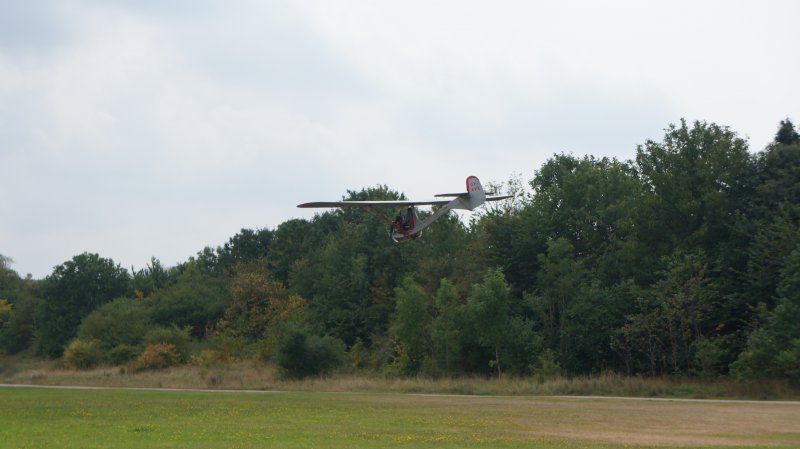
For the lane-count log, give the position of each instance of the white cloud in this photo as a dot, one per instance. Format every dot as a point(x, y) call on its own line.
point(138, 129)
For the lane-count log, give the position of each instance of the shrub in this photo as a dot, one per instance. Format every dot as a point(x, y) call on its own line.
point(82, 354)
point(196, 299)
point(208, 358)
point(707, 358)
point(119, 322)
point(5, 312)
point(229, 347)
point(546, 366)
point(122, 354)
point(157, 356)
point(175, 336)
point(301, 355)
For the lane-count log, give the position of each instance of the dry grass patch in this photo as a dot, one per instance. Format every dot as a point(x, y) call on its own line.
point(251, 375)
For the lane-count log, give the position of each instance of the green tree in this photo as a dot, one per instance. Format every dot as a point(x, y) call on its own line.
point(771, 245)
point(489, 308)
point(196, 299)
point(590, 323)
point(295, 243)
point(595, 204)
point(71, 292)
point(151, 279)
point(786, 134)
point(773, 350)
point(693, 176)
point(18, 332)
point(410, 325)
point(351, 275)
point(589, 202)
point(9, 279)
point(447, 325)
point(342, 294)
point(441, 252)
point(662, 335)
point(22, 295)
point(246, 246)
point(777, 179)
point(561, 282)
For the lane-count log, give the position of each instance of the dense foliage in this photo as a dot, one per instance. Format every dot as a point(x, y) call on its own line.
point(685, 261)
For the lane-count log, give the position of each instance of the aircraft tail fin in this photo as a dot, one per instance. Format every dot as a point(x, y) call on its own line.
point(475, 190)
point(472, 198)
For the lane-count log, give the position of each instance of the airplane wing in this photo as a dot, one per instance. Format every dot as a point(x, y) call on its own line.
point(330, 204)
point(466, 194)
point(460, 194)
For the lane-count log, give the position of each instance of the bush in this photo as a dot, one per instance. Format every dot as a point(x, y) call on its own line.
point(301, 355)
point(157, 356)
point(229, 347)
point(707, 358)
point(121, 354)
point(82, 354)
point(196, 299)
point(546, 366)
point(120, 322)
point(175, 336)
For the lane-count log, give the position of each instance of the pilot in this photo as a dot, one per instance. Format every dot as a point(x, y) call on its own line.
point(407, 222)
point(398, 222)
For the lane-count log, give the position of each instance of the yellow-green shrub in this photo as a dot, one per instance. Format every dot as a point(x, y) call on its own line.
point(82, 354)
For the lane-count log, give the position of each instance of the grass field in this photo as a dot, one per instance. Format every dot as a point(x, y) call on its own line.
point(45, 418)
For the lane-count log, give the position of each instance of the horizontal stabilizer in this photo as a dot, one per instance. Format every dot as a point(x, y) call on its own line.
point(372, 203)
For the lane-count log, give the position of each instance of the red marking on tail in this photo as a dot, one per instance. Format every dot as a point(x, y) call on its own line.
point(476, 185)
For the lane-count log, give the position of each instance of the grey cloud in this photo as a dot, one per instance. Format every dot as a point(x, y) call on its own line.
point(584, 119)
point(30, 29)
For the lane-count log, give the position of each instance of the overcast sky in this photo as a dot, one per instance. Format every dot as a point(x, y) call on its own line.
point(135, 129)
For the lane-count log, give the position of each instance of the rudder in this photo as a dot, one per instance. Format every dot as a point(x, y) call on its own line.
point(475, 190)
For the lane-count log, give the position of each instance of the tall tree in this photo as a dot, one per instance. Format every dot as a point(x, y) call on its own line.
point(261, 307)
point(786, 134)
point(562, 281)
point(411, 324)
point(777, 179)
point(594, 204)
point(489, 308)
point(660, 337)
point(352, 272)
point(197, 299)
point(246, 246)
point(71, 292)
point(151, 279)
point(694, 175)
point(447, 325)
point(773, 350)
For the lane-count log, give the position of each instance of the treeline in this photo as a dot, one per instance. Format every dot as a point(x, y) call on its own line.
point(685, 261)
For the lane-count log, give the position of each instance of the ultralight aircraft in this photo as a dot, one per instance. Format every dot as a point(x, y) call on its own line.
point(406, 225)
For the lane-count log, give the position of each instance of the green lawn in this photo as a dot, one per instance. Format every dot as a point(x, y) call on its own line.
point(38, 417)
